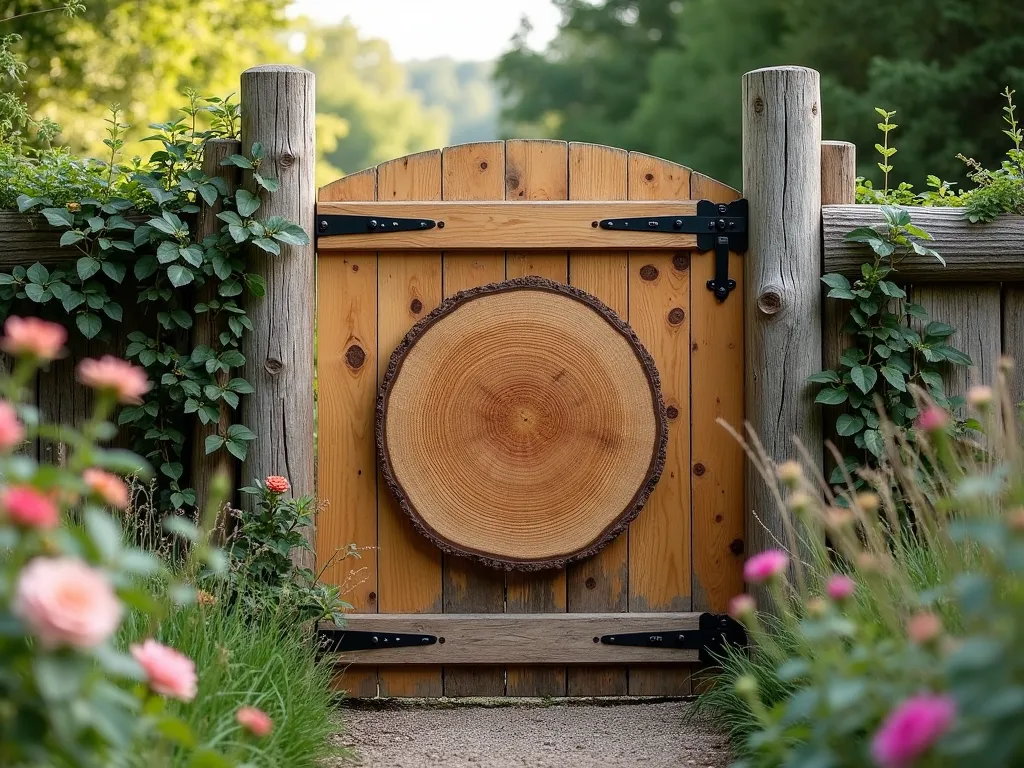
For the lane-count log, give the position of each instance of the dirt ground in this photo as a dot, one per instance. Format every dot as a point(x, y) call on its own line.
point(511, 733)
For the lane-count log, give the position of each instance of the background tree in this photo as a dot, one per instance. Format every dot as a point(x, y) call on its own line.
point(142, 55)
point(664, 75)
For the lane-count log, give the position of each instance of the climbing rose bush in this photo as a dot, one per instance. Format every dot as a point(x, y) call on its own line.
point(69, 695)
point(898, 634)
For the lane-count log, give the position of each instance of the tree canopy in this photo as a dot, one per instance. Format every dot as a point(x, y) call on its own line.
point(663, 76)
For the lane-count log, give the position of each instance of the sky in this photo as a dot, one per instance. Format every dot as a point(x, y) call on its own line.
point(476, 30)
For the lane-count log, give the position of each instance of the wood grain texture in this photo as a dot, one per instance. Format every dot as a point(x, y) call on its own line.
point(536, 171)
point(716, 470)
point(473, 172)
point(973, 252)
point(515, 224)
point(279, 111)
point(975, 311)
point(346, 456)
point(838, 187)
point(554, 638)
point(782, 324)
point(205, 329)
point(408, 287)
point(599, 583)
point(27, 239)
point(1013, 336)
point(660, 313)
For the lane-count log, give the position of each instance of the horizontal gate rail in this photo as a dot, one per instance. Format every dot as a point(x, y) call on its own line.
point(542, 638)
point(558, 225)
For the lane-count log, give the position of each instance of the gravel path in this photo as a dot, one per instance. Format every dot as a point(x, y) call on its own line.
point(507, 733)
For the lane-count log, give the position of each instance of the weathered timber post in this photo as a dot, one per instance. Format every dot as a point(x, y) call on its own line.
point(838, 187)
point(206, 329)
point(279, 111)
point(782, 296)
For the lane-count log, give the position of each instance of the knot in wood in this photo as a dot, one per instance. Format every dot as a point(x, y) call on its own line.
point(416, 306)
point(511, 181)
point(649, 176)
point(672, 412)
point(699, 469)
point(681, 262)
point(355, 357)
point(814, 108)
point(273, 366)
point(483, 165)
point(758, 106)
point(286, 160)
point(676, 315)
point(649, 272)
point(591, 582)
point(736, 547)
point(770, 301)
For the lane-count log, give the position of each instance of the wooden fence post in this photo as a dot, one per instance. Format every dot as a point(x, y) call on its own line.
point(782, 318)
point(279, 112)
point(205, 331)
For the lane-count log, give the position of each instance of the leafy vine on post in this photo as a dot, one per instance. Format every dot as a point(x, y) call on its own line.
point(138, 226)
point(897, 346)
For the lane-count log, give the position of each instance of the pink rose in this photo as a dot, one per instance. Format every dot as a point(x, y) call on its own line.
point(932, 419)
point(12, 433)
point(840, 587)
point(742, 606)
point(112, 374)
point(108, 487)
point(64, 602)
point(766, 565)
point(277, 484)
point(170, 673)
point(32, 336)
point(28, 507)
point(911, 729)
point(255, 721)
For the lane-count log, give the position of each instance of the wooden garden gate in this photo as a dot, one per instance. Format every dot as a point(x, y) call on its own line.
point(538, 633)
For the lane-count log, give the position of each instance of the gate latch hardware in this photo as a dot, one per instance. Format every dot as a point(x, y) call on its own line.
point(368, 225)
point(714, 632)
point(340, 640)
point(721, 227)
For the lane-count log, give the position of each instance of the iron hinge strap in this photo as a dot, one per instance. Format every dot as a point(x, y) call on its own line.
point(339, 224)
point(714, 632)
point(721, 227)
point(340, 640)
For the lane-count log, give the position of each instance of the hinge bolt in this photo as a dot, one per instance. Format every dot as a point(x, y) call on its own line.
point(652, 224)
point(681, 638)
point(323, 225)
point(721, 225)
point(375, 640)
point(711, 226)
point(678, 223)
point(373, 224)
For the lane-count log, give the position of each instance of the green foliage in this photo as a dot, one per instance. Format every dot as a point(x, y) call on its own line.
point(1001, 190)
point(78, 699)
point(937, 608)
point(263, 550)
point(663, 76)
point(133, 227)
point(263, 659)
point(897, 346)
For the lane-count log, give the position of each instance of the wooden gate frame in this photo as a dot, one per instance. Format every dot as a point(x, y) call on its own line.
point(782, 170)
point(499, 202)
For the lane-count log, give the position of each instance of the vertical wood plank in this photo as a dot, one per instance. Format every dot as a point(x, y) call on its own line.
point(975, 310)
point(473, 172)
point(408, 287)
point(660, 313)
point(717, 464)
point(1013, 336)
point(536, 170)
point(599, 583)
point(347, 390)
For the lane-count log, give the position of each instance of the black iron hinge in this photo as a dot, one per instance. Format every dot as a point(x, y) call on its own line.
point(714, 632)
point(721, 227)
point(340, 640)
point(363, 225)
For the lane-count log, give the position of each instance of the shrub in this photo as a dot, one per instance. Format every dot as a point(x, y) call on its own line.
point(901, 641)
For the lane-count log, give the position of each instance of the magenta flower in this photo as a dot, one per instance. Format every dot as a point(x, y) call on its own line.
point(840, 587)
point(765, 565)
point(742, 606)
point(911, 729)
